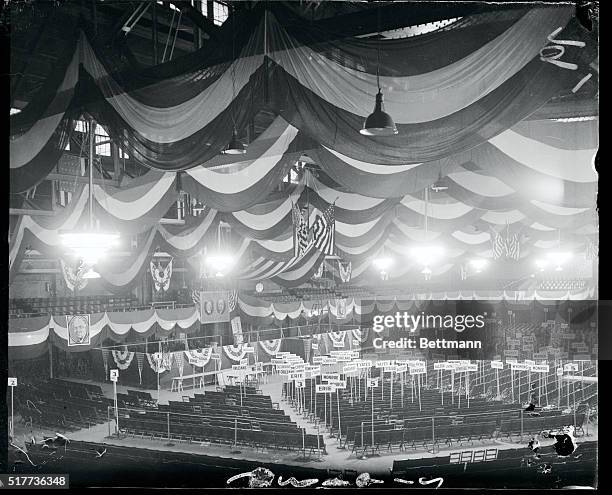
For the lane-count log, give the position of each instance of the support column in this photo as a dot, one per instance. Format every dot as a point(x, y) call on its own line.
point(154, 33)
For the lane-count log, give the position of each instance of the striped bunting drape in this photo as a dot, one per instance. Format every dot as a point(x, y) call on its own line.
point(270, 347)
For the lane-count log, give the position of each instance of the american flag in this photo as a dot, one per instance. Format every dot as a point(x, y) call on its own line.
point(323, 231)
point(499, 246)
point(513, 247)
point(300, 232)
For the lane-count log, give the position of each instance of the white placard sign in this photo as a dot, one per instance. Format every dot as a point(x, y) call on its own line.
point(349, 368)
point(12, 382)
point(520, 366)
point(114, 375)
point(330, 376)
point(539, 368)
point(497, 365)
point(372, 382)
point(325, 389)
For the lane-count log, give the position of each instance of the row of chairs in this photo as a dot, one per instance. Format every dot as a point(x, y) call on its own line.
point(203, 433)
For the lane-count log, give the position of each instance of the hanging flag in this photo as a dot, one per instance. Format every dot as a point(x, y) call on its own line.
point(161, 275)
point(513, 247)
point(345, 268)
point(195, 297)
point(323, 231)
point(232, 299)
point(300, 230)
point(499, 246)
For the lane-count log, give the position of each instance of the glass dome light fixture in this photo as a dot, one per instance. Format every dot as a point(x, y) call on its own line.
point(379, 122)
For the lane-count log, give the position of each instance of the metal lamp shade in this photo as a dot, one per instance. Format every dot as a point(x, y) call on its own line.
point(235, 147)
point(379, 123)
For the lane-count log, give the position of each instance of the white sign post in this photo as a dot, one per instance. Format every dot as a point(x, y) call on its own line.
point(372, 383)
point(114, 377)
point(12, 383)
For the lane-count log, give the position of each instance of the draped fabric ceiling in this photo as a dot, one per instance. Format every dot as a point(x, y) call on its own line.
point(460, 114)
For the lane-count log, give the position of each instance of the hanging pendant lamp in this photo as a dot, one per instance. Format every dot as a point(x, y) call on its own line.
point(379, 122)
point(235, 147)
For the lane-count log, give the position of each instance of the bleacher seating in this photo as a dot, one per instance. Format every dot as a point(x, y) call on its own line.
point(562, 284)
point(70, 305)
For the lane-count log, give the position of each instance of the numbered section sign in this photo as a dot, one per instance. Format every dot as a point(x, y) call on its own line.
point(114, 375)
point(12, 382)
point(372, 382)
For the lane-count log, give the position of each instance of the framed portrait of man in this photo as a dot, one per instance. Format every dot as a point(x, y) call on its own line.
point(78, 330)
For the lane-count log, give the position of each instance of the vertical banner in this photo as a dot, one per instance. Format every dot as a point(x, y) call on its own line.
point(237, 330)
point(214, 307)
point(341, 308)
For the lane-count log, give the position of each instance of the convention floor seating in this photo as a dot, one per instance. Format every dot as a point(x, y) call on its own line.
point(61, 404)
point(221, 417)
point(404, 422)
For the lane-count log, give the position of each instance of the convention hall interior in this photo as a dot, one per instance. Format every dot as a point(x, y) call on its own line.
point(219, 213)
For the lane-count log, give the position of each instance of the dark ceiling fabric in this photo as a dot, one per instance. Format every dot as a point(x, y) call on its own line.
point(36, 170)
point(510, 103)
point(412, 55)
point(187, 153)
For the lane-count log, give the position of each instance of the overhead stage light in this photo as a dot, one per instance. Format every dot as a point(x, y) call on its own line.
point(90, 246)
point(383, 263)
point(220, 264)
point(427, 255)
point(379, 123)
point(479, 264)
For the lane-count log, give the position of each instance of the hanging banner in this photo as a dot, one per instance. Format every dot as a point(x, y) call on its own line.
point(161, 275)
point(78, 330)
point(140, 363)
point(341, 308)
point(105, 361)
point(74, 277)
point(337, 338)
point(123, 359)
point(237, 330)
point(160, 362)
point(198, 357)
point(214, 307)
point(270, 347)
